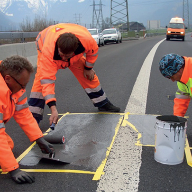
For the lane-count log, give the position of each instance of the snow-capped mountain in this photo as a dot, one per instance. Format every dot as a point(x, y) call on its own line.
point(16, 11)
point(8, 6)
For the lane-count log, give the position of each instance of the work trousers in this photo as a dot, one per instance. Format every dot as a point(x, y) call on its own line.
point(92, 88)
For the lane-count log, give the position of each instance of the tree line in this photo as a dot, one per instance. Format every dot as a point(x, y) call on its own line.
point(38, 24)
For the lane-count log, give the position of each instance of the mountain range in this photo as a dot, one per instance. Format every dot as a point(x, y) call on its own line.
point(15, 12)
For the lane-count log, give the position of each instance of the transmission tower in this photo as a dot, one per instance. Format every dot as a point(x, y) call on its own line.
point(78, 19)
point(97, 19)
point(119, 13)
point(186, 13)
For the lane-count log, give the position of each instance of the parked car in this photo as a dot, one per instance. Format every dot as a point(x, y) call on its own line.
point(112, 35)
point(97, 35)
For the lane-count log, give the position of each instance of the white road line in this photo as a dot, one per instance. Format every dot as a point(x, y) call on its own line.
point(124, 161)
point(138, 99)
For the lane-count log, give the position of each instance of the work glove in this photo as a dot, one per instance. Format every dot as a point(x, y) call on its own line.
point(21, 177)
point(45, 146)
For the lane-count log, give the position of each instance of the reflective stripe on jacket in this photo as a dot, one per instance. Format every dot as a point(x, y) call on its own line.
point(48, 65)
point(14, 105)
point(184, 92)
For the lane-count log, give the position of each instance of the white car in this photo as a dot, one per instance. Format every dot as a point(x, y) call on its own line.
point(97, 36)
point(112, 35)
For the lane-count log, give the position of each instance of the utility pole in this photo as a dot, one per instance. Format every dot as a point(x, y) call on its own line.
point(97, 19)
point(119, 13)
point(78, 19)
point(186, 13)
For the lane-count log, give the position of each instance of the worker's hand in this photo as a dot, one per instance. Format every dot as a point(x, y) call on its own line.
point(54, 115)
point(89, 74)
point(45, 146)
point(21, 177)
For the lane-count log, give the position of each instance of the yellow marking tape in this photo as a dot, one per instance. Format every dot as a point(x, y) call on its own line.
point(31, 146)
point(22, 155)
point(144, 145)
point(68, 113)
point(58, 170)
point(96, 174)
point(187, 147)
point(48, 130)
point(126, 122)
point(188, 153)
point(25, 152)
point(99, 170)
point(55, 171)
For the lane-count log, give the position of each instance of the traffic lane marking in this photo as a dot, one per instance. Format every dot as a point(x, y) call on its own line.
point(97, 174)
point(187, 149)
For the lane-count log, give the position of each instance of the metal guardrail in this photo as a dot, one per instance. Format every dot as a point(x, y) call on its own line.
point(11, 36)
point(18, 35)
point(154, 34)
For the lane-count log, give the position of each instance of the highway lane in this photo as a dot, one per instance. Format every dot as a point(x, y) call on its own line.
point(155, 176)
point(117, 67)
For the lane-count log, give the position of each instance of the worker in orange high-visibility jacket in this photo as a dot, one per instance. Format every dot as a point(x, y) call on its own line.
point(179, 68)
point(60, 46)
point(14, 76)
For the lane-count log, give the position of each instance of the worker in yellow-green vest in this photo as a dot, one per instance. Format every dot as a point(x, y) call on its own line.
point(178, 68)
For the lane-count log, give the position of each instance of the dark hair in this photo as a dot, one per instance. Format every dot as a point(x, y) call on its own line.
point(14, 65)
point(67, 43)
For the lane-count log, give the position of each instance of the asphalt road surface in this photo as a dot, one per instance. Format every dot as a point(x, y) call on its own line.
point(117, 67)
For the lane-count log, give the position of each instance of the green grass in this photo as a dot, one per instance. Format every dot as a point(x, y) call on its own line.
point(142, 33)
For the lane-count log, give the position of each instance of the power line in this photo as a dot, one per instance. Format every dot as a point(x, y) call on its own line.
point(186, 12)
point(78, 19)
point(119, 12)
point(97, 19)
point(150, 2)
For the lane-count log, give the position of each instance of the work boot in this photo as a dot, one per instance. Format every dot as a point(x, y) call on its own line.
point(109, 107)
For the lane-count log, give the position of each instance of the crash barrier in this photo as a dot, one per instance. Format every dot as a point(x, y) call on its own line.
point(27, 50)
point(154, 34)
point(18, 35)
point(133, 34)
point(170, 139)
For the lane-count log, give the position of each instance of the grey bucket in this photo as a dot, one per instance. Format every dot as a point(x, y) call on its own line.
point(170, 137)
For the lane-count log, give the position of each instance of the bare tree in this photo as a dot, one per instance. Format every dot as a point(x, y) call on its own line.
point(26, 25)
point(37, 25)
point(106, 23)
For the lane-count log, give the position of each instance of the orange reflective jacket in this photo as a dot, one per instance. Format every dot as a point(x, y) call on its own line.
point(48, 65)
point(14, 105)
point(184, 92)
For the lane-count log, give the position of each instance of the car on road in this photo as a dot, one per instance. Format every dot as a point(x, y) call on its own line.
point(112, 35)
point(97, 35)
point(176, 29)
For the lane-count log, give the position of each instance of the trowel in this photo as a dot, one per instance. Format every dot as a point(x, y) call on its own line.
point(59, 155)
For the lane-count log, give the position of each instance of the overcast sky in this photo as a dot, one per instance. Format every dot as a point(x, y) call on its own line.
point(81, 11)
point(138, 10)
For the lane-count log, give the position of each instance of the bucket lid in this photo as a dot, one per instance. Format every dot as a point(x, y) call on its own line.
point(171, 119)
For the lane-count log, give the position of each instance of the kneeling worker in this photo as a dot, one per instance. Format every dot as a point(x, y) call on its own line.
point(14, 76)
point(178, 68)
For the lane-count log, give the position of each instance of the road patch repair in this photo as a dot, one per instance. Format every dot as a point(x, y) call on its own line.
point(89, 139)
point(144, 125)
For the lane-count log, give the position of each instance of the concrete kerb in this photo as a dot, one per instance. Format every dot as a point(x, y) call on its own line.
point(132, 38)
point(27, 50)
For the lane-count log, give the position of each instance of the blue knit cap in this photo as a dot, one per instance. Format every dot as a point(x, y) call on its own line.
point(170, 64)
